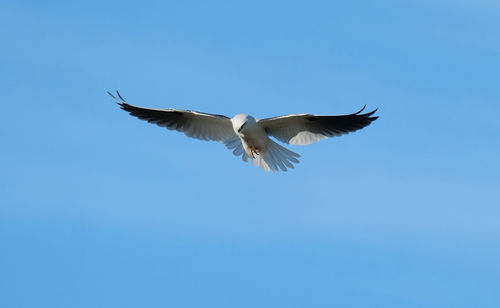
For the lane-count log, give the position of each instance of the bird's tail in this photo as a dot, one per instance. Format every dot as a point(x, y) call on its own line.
point(276, 157)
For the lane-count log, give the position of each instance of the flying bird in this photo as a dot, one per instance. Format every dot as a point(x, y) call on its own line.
point(248, 137)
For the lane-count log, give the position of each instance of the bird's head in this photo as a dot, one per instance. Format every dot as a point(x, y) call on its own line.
point(242, 122)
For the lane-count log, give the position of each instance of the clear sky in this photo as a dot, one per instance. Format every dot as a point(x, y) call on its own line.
point(99, 209)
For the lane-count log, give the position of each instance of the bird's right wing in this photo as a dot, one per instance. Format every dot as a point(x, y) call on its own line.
point(194, 124)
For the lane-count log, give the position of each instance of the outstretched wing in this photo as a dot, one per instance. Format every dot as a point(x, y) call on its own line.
point(304, 129)
point(194, 124)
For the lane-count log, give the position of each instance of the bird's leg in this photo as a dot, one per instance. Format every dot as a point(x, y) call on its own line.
point(255, 151)
point(251, 151)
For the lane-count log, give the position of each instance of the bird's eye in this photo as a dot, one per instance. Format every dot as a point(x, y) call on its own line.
point(241, 127)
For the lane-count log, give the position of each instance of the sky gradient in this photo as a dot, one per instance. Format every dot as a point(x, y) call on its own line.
point(99, 209)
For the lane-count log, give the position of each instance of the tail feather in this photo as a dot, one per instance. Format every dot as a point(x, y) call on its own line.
point(260, 162)
point(271, 160)
point(277, 157)
point(290, 155)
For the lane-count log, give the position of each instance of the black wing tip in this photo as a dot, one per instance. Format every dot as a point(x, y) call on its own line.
point(361, 110)
point(109, 93)
point(365, 114)
point(368, 114)
point(120, 101)
point(127, 107)
point(118, 93)
point(115, 98)
point(123, 106)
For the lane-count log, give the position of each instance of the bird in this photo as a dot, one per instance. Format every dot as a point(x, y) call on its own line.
point(249, 137)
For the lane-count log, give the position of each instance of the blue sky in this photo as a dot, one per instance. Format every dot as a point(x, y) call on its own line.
point(98, 209)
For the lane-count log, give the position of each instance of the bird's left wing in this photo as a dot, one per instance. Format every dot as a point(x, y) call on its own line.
point(304, 129)
point(194, 124)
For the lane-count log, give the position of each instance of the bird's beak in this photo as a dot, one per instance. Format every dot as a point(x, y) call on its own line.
point(241, 127)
